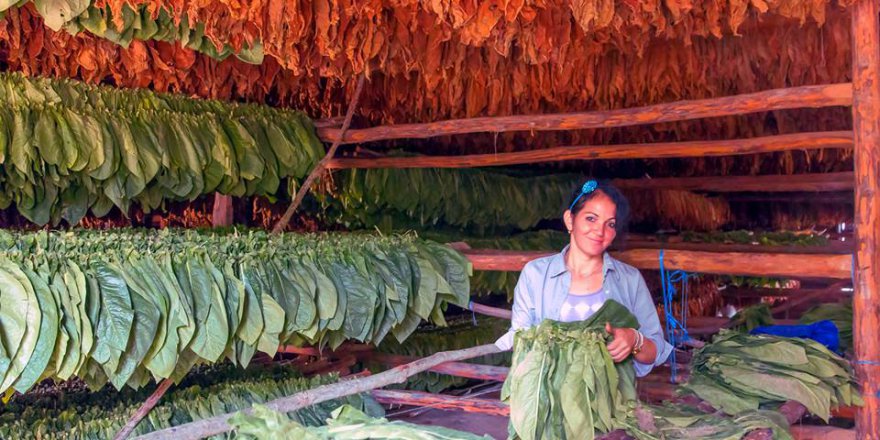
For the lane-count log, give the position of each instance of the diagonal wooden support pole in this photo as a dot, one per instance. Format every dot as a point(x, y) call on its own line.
point(217, 425)
point(145, 409)
point(321, 167)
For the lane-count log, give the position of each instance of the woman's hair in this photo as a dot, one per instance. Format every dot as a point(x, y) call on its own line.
point(605, 186)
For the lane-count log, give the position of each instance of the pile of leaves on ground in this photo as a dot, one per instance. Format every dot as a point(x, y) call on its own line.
point(346, 423)
point(740, 372)
point(125, 306)
point(680, 421)
point(464, 332)
point(214, 391)
point(67, 148)
point(840, 314)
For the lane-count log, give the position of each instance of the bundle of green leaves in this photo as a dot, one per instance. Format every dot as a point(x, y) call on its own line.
point(347, 423)
point(840, 314)
point(741, 372)
point(370, 198)
point(67, 147)
point(461, 333)
point(226, 390)
point(563, 383)
point(767, 238)
point(127, 305)
point(753, 317)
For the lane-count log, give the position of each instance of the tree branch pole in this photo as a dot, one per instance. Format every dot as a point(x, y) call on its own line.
point(145, 409)
point(829, 95)
point(218, 425)
point(866, 134)
point(321, 167)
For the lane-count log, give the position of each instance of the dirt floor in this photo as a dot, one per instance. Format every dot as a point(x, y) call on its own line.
point(481, 424)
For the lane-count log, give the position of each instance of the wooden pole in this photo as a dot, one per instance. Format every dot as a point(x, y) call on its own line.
point(777, 99)
point(221, 215)
point(866, 129)
point(815, 182)
point(321, 167)
point(767, 144)
point(217, 425)
point(728, 263)
point(441, 401)
point(145, 409)
point(457, 369)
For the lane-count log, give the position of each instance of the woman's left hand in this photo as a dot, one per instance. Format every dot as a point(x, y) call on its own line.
point(622, 345)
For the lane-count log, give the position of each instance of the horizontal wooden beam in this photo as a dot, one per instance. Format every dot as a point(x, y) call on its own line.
point(833, 247)
point(441, 401)
point(661, 150)
point(458, 369)
point(833, 198)
point(727, 263)
point(743, 292)
point(816, 182)
point(776, 99)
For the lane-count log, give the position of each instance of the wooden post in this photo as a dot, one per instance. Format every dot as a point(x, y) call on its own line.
point(222, 212)
point(441, 401)
point(866, 130)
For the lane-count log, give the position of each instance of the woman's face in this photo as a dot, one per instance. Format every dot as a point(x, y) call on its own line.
point(593, 228)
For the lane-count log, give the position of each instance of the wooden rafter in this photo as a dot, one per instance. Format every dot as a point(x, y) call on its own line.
point(776, 99)
point(766, 144)
point(814, 182)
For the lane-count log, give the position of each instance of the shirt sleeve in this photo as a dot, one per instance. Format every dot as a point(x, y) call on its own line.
point(522, 311)
point(646, 312)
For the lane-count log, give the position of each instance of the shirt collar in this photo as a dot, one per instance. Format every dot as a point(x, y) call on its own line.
point(557, 264)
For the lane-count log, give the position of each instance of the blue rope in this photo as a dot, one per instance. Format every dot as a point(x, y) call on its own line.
point(668, 281)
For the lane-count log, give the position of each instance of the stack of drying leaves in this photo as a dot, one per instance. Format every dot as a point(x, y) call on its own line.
point(214, 391)
point(67, 148)
point(739, 372)
point(347, 423)
point(563, 383)
point(128, 305)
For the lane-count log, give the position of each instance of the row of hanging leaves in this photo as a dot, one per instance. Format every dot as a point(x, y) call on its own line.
point(67, 147)
point(128, 305)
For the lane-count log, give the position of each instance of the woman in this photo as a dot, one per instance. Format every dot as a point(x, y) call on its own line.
point(573, 284)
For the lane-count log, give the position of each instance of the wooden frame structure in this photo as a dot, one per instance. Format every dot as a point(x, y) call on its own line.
point(863, 94)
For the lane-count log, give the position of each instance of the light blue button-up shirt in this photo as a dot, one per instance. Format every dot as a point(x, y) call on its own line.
point(544, 283)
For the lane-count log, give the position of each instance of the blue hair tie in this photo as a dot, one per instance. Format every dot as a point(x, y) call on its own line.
point(588, 187)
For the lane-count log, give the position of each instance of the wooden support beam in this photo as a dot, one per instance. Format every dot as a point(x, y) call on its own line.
point(833, 247)
point(458, 369)
point(222, 214)
point(767, 144)
point(731, 263)
point(866, 128)
point(743, 292)
point(817, 182)
point(441, 401)
point(836, 198)
point(776, 99)
point(321, 166)
point(144, 410)
point(218, 424)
